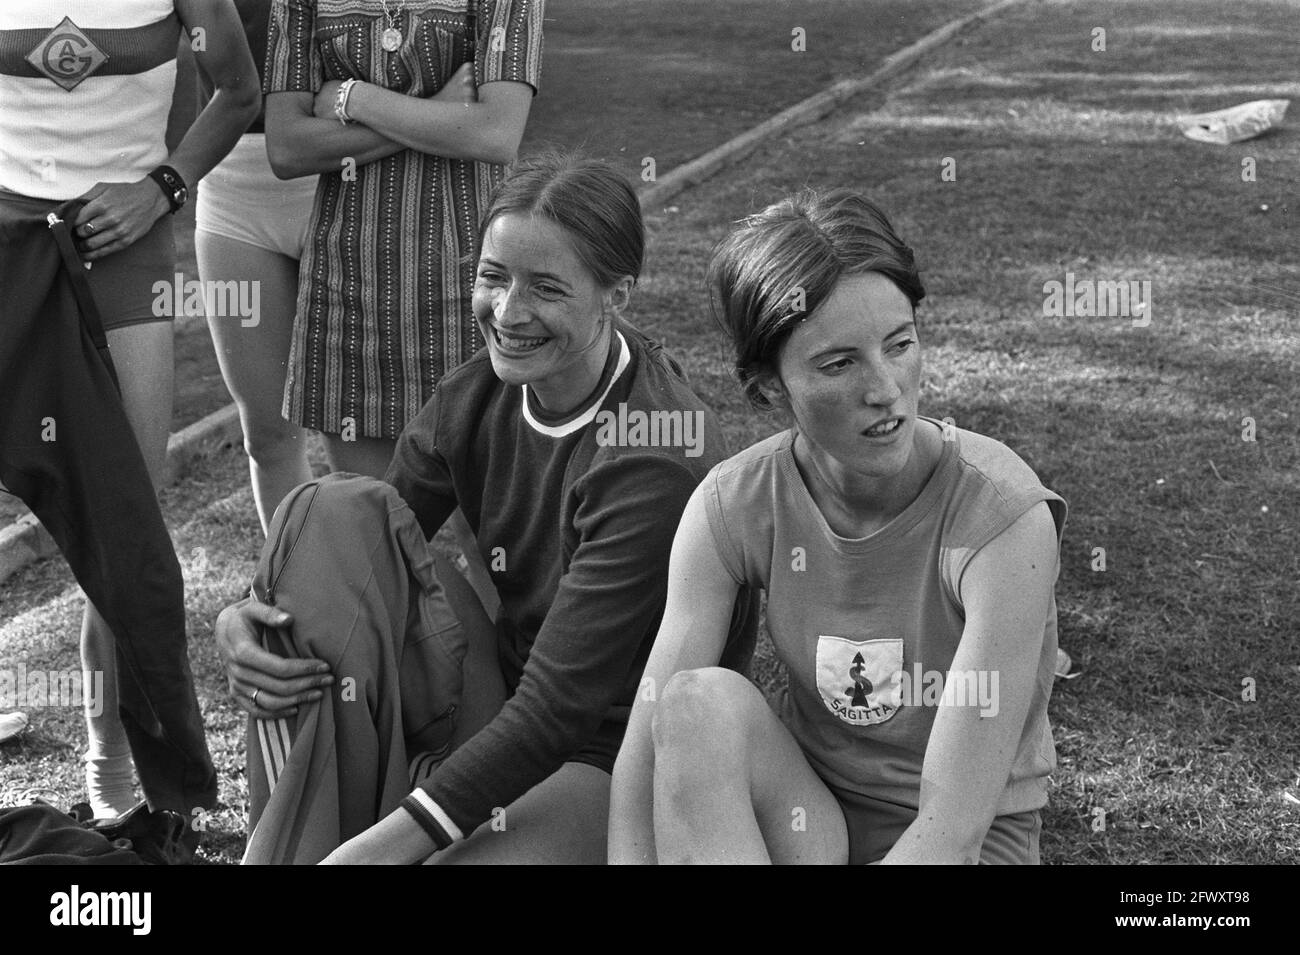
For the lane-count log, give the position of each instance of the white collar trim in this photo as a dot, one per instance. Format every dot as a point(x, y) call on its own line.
point(588, 416)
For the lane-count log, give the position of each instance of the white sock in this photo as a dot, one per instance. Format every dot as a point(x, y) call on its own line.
point(110, 782)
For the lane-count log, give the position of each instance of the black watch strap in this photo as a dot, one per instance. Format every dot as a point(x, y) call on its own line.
point(172, 185)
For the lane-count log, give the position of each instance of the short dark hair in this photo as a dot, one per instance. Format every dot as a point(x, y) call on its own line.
point(589, 198)
point(806, 242)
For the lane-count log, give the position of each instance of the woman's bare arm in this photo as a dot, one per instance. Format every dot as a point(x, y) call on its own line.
point(1006, 591)
point(701, 597)
point(237, 98)
point(486, 129)
point(299, 143)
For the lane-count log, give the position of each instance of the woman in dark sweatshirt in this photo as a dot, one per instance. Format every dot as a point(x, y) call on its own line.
point(571, 443)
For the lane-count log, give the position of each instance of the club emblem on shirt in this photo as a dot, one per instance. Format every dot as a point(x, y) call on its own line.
point(857, 679)
point(861, 685)
point(66, 55)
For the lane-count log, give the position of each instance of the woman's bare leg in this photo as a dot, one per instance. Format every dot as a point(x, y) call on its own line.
point(142, 355)
point(254, 359)
point(731, 785)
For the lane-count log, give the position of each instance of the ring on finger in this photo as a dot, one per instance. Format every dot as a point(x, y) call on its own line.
point(90, 227)
point(254, 696)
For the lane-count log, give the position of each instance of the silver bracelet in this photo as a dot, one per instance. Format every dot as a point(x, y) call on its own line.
point(341, 102)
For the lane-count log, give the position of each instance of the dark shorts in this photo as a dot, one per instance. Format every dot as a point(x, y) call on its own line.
point(123, 284)
point(874, 826)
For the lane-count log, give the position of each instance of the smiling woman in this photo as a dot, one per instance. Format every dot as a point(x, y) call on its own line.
point(533, 318)
point(887, 545)
point(536, 288)
point(575, 528)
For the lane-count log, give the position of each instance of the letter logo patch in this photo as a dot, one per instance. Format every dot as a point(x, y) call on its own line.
point(66, 55)
point(858, 680)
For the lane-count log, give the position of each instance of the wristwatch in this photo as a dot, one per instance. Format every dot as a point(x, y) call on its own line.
point(172, 185)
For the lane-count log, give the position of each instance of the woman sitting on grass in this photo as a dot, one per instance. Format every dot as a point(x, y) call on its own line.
point(909, 568)
point(573, 516)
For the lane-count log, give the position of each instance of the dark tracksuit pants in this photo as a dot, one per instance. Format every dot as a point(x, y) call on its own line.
point(68, 451)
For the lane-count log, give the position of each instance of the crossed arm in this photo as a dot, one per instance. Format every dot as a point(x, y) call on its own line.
point(486, 124)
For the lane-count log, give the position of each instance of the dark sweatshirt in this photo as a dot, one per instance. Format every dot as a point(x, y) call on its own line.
point(575, 520)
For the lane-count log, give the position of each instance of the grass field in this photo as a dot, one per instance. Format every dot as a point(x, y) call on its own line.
point(1066, 161)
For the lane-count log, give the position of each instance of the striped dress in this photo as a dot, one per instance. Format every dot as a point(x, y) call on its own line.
point(384, 285)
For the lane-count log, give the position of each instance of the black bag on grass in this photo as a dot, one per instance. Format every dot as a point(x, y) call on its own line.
point(40, 834)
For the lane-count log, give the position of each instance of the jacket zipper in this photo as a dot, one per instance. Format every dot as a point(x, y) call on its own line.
point(279, 537)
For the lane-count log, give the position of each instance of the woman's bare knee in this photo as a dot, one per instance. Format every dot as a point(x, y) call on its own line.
point(706, 706)
point(701, 731)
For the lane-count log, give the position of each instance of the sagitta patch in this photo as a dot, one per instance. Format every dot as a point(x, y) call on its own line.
point(857, 679)
point(66, 55)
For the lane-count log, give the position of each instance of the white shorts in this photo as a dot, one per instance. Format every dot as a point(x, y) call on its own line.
point(242, 199)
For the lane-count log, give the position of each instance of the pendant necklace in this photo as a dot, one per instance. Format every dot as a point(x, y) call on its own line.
point(391, 38)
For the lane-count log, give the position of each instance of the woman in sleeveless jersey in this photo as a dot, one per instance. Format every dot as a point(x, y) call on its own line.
point(909, 567)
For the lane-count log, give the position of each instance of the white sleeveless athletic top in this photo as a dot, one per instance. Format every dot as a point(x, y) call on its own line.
point(85, 89)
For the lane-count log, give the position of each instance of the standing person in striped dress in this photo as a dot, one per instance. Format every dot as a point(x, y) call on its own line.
point(409, 111)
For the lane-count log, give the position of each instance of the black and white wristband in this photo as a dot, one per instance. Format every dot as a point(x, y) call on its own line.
point(432, 819)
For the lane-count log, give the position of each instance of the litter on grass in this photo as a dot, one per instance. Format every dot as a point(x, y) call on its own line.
point(1063, 665)
point(1235, 124)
